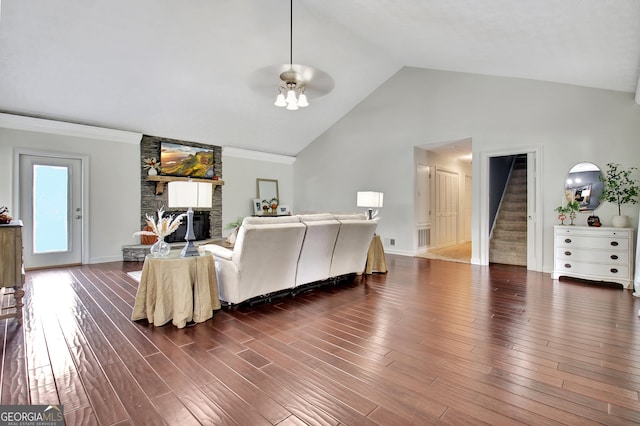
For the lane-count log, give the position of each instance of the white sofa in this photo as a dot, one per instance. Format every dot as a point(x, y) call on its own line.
point(263, 260)
point(272, 254)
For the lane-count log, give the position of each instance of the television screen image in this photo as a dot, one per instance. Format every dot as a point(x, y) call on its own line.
point(183, 160)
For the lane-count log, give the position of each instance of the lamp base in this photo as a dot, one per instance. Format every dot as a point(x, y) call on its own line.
point(189, 250)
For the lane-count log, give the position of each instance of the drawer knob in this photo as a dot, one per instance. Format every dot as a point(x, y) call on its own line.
point(614, 243)
point(614, 270)
point(567, 253)
point(567, 240)
point(614, 256)
point(567, 265)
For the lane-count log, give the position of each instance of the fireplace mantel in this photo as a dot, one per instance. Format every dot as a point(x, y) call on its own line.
point(162, 180)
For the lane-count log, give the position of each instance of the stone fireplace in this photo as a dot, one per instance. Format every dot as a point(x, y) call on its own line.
point(150, 202)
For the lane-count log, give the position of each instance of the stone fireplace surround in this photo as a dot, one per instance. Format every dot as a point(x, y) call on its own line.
point(150, 202)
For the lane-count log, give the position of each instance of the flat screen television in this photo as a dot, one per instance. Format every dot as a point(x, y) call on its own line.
point(188, 161)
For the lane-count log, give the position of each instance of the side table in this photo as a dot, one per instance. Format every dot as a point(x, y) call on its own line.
point(181, 289)
point(375, 257)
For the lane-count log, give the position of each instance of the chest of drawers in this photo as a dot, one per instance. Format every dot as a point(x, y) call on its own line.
point(599, 254)
point(11, 266)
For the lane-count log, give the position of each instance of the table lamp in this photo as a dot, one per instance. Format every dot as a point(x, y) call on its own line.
point(370, 200)
point(190, 194)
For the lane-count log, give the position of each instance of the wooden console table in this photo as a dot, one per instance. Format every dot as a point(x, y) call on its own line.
point(178, 289)
point(12, 266)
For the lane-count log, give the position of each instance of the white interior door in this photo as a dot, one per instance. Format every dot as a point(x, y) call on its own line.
point(51, 210)
point(446, 208)
point(424, 195)
point(466, 222)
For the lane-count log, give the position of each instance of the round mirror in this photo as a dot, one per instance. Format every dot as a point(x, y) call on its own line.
point(584, 186)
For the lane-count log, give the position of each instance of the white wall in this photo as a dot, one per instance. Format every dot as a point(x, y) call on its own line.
point(114, 176)
point(240, 169)
point(372, 146)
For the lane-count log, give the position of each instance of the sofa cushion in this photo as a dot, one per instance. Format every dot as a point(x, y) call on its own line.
point(317, 248)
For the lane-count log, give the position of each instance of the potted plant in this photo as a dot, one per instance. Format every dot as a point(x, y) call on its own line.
point(571, 208)
point(235, 224)
point(266, 204)
point(274, 205)
point(620, 187)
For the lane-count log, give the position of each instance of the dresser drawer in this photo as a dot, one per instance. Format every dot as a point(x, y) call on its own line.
point(572, 254)
point(594, 232)
point(596, 270)
point(596, 243)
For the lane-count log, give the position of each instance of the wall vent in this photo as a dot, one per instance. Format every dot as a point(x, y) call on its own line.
point(424, 237)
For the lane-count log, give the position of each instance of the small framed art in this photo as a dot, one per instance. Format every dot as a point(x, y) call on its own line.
point(284, 209)
point(257, 206)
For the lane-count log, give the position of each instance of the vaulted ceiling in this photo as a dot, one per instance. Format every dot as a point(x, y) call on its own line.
point(200, 70)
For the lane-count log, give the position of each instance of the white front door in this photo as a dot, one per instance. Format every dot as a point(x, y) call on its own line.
point(51, 210)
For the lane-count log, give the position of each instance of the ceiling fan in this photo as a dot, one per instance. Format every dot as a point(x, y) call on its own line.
point(296, 81)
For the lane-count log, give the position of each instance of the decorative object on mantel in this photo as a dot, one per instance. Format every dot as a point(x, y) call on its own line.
point(594, 221)
point(571, 208)
point(165, 225)
point(162, 180)
point(152, 165)
point(274, 205)
point(620, 187)
point(4, 215)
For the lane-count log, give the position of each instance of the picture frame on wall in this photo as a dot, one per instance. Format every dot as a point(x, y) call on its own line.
point(257, 206)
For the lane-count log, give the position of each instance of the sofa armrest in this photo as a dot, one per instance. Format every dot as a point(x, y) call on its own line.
point(218, 251)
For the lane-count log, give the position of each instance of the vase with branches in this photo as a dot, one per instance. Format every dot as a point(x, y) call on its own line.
point(620, 187)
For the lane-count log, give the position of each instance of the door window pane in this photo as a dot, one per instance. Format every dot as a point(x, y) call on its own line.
point(50, 208)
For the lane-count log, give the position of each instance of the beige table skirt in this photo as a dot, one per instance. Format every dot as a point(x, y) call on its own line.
point(177, 289)
point(375, 257)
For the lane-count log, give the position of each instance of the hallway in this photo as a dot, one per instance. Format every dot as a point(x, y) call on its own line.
point(460, 253)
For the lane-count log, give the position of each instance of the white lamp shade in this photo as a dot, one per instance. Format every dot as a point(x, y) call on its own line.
point(369, 199)
point(190, 194)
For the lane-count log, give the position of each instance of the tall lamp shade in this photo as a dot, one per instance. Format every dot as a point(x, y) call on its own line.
point(190, 194)
point(369, 200)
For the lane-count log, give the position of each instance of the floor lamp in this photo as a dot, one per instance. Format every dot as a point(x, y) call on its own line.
point(190, 194)
point(370, 200)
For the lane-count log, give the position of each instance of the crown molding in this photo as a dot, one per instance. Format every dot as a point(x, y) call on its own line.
point(257, 155)
point(21, 122)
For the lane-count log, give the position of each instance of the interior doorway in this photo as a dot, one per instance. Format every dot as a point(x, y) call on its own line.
point(483, 220)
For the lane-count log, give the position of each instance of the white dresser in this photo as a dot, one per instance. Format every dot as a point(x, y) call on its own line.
point(599, 254)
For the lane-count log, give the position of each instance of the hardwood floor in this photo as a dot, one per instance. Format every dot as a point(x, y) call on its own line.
point(430, 342)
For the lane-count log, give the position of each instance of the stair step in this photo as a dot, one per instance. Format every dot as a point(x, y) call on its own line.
point(510, 234)
point(508, 259)
point(511, 223)
point(513, 206)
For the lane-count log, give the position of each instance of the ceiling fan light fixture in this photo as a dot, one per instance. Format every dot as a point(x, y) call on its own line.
point(280, 102)
point(302, 100)
point(291, 81)
point(291, 97)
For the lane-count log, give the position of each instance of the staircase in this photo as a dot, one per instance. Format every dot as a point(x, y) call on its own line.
point(508, 243)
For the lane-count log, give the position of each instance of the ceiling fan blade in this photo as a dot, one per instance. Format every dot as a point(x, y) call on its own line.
point(266, 80)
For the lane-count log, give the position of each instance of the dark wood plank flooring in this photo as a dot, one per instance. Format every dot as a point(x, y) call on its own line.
point(430, 342)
